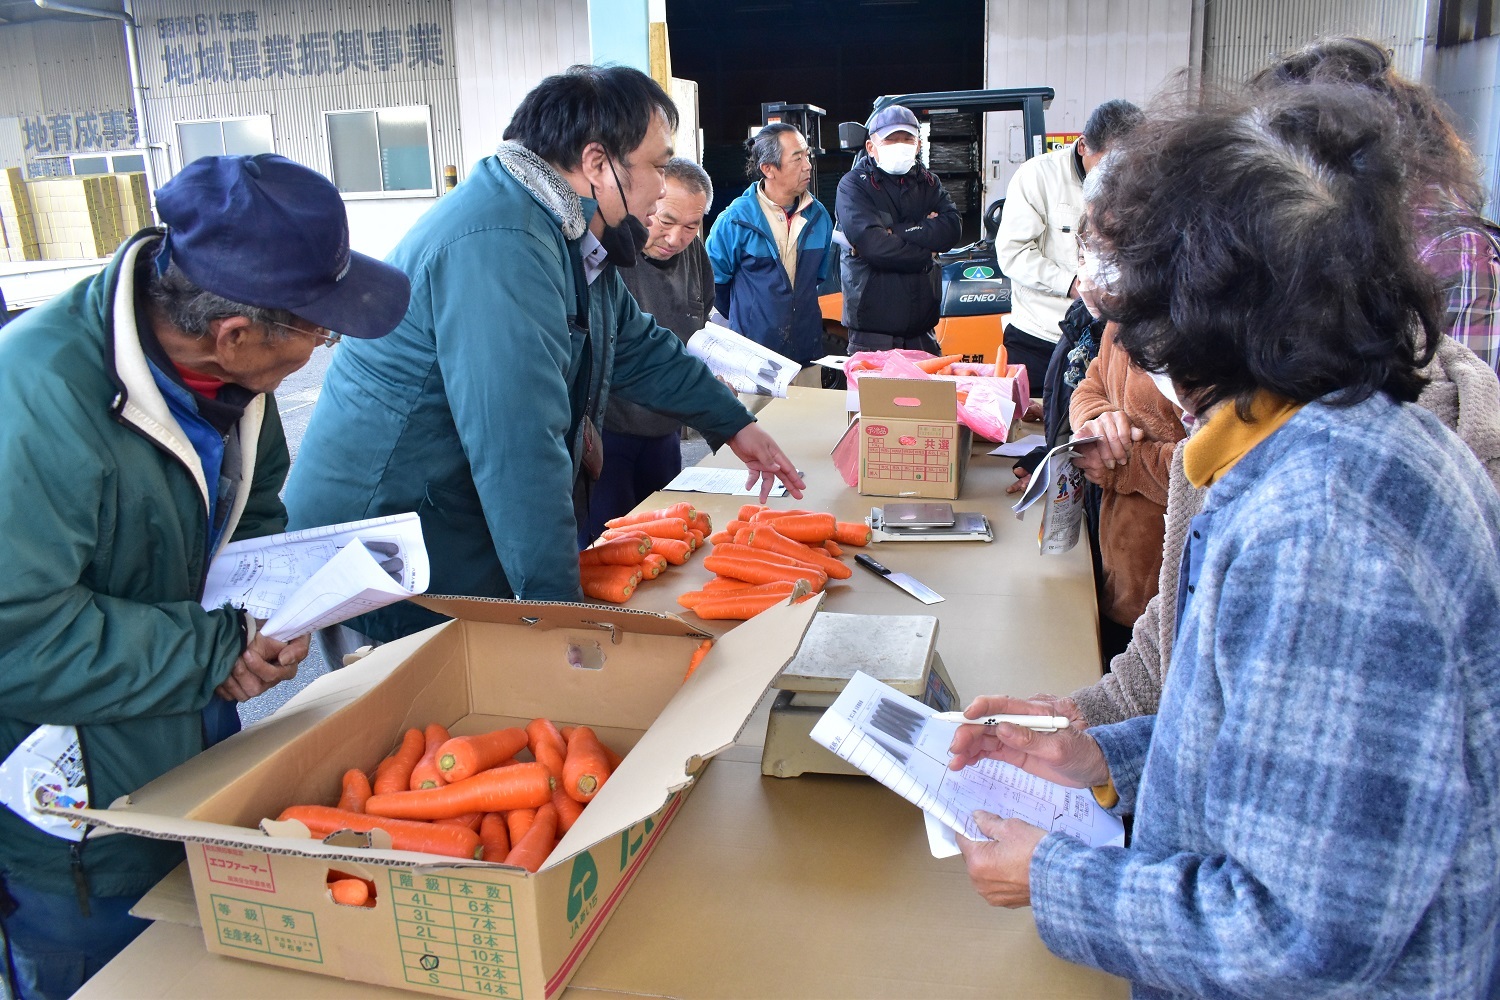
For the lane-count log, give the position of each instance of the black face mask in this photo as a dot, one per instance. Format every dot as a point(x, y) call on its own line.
point(622, 242)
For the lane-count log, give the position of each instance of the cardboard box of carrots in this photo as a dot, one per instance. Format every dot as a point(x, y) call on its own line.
point(761, 559)
point(460, 811)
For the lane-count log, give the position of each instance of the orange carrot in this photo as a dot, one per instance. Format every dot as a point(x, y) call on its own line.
point(613, 758)
point(721, 536)
point(531, 850)
point(356, 790)
point(517, 822)
point(609, 583)
point(653, 566)
point(851, 533)
point(394, 773)
point(470, 820)
point(673, 550)
point(682, 509)
point(350, 892)
point(765, 536)
point(737, 606)
point(429, 838)
point(519, 786)
point(762, 570)
point(701, 523)
point(425, 774)
point(698, 655)
point(781, 588)
point(749, 510)
point(748, 551)
point(694, 537)
point(832, 547)
point(494, 837)
point(623, 551)
point(586, 768)
point(775, 515)
point(933, 366)
point(666, 527)
point(812, 528)
point(547, 746)
point(568, 810)
point(465, 756)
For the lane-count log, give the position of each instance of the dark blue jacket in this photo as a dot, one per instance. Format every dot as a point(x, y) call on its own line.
point(752, 286)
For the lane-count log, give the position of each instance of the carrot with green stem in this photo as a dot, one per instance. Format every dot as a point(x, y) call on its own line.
point(653, 566)
point(394, 773)
point(532, 849)
point(586, 768)
point(666, 527)
point(427, 838)
point(519, 786)
point(615, 584)
point(625, 550)
point(425, 773)
point(854, 533)
point(753, 570)
point(765, 536)
point(673, 550)
point(682, 509)
point(465, 756)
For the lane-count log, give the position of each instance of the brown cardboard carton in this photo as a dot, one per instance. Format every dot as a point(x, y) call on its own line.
point(910, 441)
point(450, 927)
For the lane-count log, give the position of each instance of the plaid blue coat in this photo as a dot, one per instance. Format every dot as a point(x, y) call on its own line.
point(1318, 800)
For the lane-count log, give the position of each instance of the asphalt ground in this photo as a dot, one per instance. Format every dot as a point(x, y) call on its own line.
point(296, 399)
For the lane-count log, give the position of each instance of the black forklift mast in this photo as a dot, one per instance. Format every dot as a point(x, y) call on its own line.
point(808, 119)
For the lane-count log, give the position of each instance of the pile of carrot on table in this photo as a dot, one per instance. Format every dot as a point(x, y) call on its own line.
point(473, 797)
point(761, 558)
point(765, 556)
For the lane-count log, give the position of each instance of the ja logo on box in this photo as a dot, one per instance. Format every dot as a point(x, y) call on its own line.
point(979, 272)
point(583, 885)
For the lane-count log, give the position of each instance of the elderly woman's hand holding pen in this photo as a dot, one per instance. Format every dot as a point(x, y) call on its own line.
point(1000, 868)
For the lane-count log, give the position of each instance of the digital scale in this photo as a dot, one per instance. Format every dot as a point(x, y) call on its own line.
point(900, 650)
point(927, 522)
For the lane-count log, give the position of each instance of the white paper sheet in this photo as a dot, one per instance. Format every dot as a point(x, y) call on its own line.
point(740, 361)
point(1021, 446)
point(893, 738)
point(302, 580)
point(730, 482)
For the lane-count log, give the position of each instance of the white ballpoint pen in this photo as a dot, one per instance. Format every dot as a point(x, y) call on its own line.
point(1041, 723)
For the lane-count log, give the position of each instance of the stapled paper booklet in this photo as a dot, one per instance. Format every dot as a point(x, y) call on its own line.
point(1062, 484)
point(894, 739)
point(745, 365)
point(304, 580)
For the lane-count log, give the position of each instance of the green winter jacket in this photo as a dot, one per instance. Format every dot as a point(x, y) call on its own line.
point(104, 552)
point(468, 412)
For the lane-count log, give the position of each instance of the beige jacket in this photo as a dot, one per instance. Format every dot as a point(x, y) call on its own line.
point(1037, 244)
point(1463, 393)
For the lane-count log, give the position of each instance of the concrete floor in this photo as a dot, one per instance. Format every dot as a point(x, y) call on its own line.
point(295, 399)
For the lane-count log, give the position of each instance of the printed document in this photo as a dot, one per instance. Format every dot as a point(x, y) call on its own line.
point(1062, 484)
point(894, 739)
point(730, 482)
point(310, 579)
point(740, 361)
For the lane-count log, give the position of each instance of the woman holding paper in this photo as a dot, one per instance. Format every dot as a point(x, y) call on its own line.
point(1318, 797)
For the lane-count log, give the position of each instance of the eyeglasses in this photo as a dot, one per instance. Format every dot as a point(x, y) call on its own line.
point(325, 337)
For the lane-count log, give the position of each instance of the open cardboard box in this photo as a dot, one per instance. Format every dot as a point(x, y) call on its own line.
point(457, 928)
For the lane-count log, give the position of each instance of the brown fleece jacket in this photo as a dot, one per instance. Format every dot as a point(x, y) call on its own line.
point(1134, 507)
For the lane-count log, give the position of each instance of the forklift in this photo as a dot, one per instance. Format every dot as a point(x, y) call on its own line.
point(975, 294)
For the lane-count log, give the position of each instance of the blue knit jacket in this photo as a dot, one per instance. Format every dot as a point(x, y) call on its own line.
point(1318, 800)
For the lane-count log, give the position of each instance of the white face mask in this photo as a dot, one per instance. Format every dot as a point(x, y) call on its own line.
point(897, 157)
point(1168, 389)
point(1101, 274)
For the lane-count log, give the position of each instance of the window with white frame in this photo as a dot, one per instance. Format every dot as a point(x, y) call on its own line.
point(224, 137)
point(385, 152)
point(109, 163)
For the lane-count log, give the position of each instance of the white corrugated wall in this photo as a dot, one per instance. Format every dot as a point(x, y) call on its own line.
point(503, 48)
point(1242, 36)
point(1467, 76)
point(62, 80)
point(1087, 51)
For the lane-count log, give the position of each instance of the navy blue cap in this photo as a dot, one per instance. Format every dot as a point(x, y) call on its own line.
point(893, 118)
point(265, 231)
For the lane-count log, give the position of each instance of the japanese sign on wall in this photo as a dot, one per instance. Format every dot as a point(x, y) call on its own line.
point(242, 46)
point(88, 132)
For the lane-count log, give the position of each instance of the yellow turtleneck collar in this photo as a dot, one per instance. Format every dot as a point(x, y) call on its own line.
point(1224, 438)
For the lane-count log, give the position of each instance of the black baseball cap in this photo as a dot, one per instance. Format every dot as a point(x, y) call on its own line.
point(893, 118)
point(265, 231)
